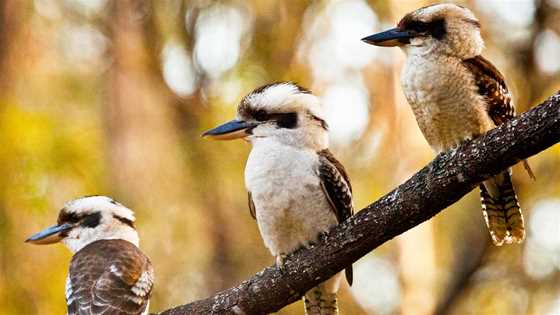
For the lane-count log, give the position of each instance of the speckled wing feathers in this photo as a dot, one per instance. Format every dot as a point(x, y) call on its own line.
point(338, 190)
point(492, 86)
point(110, 277)
point(336, 185)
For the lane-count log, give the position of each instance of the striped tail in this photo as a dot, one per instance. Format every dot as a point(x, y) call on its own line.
point(318, 301)
point(501, 210)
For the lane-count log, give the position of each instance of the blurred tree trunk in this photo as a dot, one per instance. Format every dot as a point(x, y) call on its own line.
point(276, 46)
point(142, 138)
point(144, 150)
point(15, 41)
point(11, 22)
point(8, 26)
point(11, 12)
point(539, 84)
point(188, 112)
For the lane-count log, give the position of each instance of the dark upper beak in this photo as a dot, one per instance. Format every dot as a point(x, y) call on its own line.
point(231, 130)
point(392, 37)
point(49, 235)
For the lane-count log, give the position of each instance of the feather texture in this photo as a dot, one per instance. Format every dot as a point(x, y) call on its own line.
point(502, 213)
point(110, 277)
point(492, 86)
point(319, 302)
point(336, 186)
point(499, 202)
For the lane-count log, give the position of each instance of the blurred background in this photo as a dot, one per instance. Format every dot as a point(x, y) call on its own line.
point(110, 97)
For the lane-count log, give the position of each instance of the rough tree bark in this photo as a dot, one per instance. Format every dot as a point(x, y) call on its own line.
point(445, 180)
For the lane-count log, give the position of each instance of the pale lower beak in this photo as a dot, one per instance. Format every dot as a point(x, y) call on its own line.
point(50, 235)
point(392, 37)
point(234, 129)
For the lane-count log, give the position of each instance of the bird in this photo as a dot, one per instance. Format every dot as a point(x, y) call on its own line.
point(297, 189)
point(456, 94)
point(108, 272)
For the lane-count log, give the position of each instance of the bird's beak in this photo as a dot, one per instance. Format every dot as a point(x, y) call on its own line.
point(392, 37)
point(52, 234)
point(234, 129)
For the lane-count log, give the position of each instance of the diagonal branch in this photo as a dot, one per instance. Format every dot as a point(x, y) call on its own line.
point(445, 180)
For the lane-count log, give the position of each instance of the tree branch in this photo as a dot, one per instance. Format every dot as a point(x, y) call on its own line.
point(445, 180)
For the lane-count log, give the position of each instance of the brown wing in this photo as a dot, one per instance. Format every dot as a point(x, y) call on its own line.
point(337, 189)
point(336, 185)
point(110, 277)
point(492, 86)
point(251, 206)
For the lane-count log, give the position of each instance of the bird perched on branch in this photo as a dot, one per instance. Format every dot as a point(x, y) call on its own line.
point(456, 95)
point(297, 189)
point(108, 273)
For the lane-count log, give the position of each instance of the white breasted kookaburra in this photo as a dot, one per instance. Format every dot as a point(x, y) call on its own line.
point(456, 95)
point(108, 273)
point(297, 189)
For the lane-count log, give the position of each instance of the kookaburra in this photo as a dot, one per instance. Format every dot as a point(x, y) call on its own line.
point(297, 189)
point(108, 273)
point(456, 94)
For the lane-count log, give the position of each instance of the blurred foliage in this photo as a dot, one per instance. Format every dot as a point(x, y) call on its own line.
point(110, 97)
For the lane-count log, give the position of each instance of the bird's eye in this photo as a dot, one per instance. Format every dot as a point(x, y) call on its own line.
point(435, 28)
point(260, 115)
point(287, 120)
point(91, 220)
point(418, 26)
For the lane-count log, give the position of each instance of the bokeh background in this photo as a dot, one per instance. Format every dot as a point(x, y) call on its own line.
point(110, 97)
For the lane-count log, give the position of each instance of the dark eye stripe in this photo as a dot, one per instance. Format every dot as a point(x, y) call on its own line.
point(436, 28)
point(287, 120)
point(124, 220)
point(283, 120)
point(91, 220)
point(261, 115)
point(417, 26)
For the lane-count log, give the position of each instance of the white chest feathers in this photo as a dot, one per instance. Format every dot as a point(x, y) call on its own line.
point(445, 100)
point(291, 207)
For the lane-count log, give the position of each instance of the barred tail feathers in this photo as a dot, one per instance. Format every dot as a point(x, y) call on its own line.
point(501, 210)
point(319, 302)
point(322, 300)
